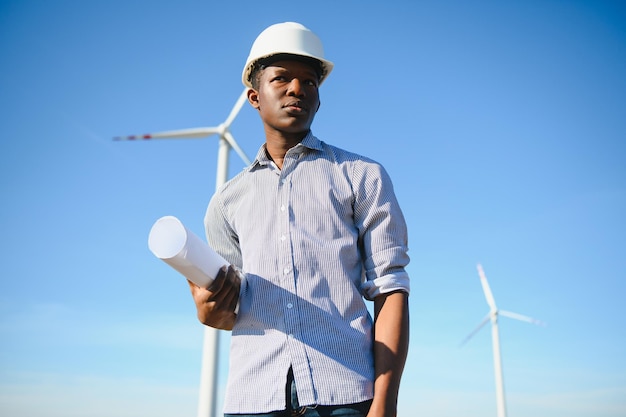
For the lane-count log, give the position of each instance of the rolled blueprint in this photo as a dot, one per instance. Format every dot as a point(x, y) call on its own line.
point(184, 251)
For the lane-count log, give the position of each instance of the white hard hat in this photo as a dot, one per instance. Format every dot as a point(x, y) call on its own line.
point(288, 38)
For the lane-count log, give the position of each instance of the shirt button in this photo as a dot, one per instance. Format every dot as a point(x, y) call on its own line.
point(283, 237)
point(289, 305)
point(282, 208)
point(286, 270)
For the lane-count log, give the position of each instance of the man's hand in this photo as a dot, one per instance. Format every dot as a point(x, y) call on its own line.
point(216, 304)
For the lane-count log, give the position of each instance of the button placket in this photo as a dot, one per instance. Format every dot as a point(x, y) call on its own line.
point(287, 272)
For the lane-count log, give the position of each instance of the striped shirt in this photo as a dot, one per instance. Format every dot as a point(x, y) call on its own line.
point(313, 240)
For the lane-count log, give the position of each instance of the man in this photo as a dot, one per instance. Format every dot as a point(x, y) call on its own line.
point(310, 230)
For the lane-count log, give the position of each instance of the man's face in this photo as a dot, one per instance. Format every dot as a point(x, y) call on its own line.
point(287, 97)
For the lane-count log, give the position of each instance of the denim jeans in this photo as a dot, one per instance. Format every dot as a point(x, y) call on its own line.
point(293, 409)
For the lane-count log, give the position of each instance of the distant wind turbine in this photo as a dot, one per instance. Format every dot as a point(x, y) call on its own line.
point(227, 141)
point(208, 378)
point(492, 316)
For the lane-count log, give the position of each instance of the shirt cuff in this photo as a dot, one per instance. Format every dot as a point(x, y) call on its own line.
point(386, 284)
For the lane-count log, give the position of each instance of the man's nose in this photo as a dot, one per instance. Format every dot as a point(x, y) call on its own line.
point(295, 88)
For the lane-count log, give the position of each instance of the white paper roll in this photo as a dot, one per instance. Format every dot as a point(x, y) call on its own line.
point(172, 242)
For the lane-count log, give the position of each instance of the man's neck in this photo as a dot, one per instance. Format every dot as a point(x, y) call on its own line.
point(277, 145)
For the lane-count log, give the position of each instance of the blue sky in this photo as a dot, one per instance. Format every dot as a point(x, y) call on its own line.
point(502, 124)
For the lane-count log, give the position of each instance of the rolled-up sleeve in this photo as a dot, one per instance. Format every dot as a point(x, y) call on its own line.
point(383, 239)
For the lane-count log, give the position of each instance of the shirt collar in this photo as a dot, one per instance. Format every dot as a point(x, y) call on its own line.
point(309, 141)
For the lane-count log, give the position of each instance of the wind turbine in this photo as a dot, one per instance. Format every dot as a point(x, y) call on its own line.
point(208, 377)
point(492, 316)
point(226, 139)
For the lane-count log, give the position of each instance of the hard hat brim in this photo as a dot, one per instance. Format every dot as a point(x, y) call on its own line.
point(325, 66)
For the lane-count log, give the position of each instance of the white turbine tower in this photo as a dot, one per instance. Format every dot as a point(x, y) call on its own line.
point(492, 316)
point(208, 377)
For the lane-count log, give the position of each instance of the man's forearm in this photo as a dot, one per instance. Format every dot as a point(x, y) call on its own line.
point(391, 344)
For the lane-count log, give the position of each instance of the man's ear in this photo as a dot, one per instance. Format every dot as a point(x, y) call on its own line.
point(253, 98)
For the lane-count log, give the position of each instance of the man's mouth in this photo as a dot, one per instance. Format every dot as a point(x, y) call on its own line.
point(295, 106)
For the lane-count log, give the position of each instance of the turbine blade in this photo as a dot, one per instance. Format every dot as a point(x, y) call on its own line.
point(231, 141)
point(235, 111)
point(482, 323)
point(488, 295)
point(521, 317)
point(198, 132)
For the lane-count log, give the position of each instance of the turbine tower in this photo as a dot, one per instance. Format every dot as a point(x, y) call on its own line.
point(208, 376)
point(492, 316)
